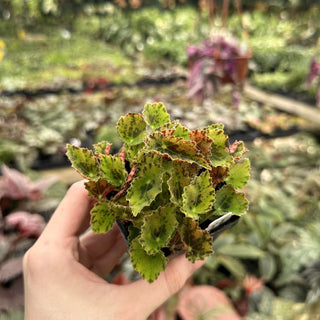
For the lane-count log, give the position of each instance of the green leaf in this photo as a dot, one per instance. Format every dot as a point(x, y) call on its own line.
point(244, 251)
point(163, 198)
point(131, 151)
point(96, 189)
point(156, 115)
point(178, 130)
point(101, 219)
point(84, 162)
point(147, 183)
point(198, 241)
point(132, 128)
point(102, 147)
point(228, 200)
point(239, 174)
point(119, 211)
point(267, 266)
point(176, 148)
point(233, 265)
point(198, 197)
point(215, 126)
point(181, 132)
point(220, 155)
point(158, 228)
point(182, 172)
point(149, 266)
point(112, 169)
point(134, 232)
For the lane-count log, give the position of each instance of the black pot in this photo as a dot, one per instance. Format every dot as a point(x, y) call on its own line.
point(215, 228)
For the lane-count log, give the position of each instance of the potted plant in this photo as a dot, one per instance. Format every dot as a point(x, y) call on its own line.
point(215, 62)
point(165, 186)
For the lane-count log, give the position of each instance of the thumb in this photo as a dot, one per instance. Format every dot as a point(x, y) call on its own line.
point(153, 295)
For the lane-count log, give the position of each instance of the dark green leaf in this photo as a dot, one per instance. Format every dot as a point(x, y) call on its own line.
point(228, 200)
point(158, 228)
point(198, 241)
point(182, 172)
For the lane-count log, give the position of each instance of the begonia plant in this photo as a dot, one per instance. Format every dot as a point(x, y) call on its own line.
point(165, 185)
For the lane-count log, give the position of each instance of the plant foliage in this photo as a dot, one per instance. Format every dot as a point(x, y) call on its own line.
point(166, 181)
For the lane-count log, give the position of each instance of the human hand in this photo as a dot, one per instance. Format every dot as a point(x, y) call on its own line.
point(64, 270)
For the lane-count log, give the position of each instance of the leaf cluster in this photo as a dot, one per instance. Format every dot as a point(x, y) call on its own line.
point(167, 181)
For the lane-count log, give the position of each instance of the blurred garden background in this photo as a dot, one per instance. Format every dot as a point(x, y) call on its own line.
point(70, 69)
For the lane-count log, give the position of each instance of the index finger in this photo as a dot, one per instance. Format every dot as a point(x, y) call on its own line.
point(72, 217)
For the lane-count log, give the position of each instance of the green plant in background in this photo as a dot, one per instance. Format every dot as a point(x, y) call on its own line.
point(39, 127)
point(281, 52)
point(277, 240)
point(159, 34)
point(2, 49)
point(167, 182)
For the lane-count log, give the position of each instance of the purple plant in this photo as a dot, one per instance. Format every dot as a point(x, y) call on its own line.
point(215, 62)
point(313, 75)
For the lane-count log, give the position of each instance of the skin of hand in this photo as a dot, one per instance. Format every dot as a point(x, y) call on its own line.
point(64, 270)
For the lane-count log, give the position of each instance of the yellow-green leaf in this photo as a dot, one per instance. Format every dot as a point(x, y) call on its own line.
point(132, 128)
point(147, 183)
point(113, 170)
point(182, 132)
point(239, 174)
point(176, 148)
point(131, 151)
point(84, 162)
point(149, 266)
point(102, 147)
point(156, 115)
point(198, 197)
point(220, 155)
point(101, 219)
